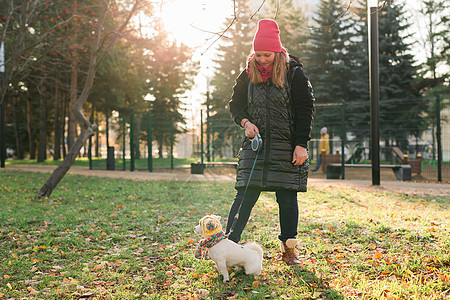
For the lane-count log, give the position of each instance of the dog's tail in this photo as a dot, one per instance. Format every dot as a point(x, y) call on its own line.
point(255, 247)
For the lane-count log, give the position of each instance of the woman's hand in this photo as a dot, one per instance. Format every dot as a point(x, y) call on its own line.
point(249, 128)
point(299, 156)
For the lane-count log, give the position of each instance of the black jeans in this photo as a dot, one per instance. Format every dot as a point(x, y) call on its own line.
point(287, 207)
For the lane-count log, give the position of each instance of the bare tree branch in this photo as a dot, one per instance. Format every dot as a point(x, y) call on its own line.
point(349, 8)
point(259, 8)
point(235, 18)
point(207, 31)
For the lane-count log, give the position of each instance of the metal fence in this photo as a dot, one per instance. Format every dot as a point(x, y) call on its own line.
point(433, 167)
point(431, 150)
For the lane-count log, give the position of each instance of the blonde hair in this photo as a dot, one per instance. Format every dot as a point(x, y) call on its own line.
point(280, 68)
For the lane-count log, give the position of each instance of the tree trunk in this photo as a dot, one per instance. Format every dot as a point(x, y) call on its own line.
point(19, 148)
point(31, 145)
point(97, 141)
point(57, 133)
point(63, 126)
point(72, 130)
point(68, 161)
point(160, 150)
point(42, 148)
point(107, 129)
point(136, 137)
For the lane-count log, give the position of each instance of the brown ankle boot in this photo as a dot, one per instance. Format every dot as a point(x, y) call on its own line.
point(288, 253)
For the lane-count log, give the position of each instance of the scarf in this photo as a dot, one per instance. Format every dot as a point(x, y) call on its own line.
point(266, 72)
point(205, 244)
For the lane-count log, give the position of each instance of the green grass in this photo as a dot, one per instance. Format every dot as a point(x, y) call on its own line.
point(119, 239)
point(100, 163)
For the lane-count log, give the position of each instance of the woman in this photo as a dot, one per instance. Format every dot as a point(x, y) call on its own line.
point(273, 98)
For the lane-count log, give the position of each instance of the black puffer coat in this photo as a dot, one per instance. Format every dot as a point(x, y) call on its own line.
point(284, 118)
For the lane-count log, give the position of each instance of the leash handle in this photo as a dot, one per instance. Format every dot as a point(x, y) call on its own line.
point(256, 142)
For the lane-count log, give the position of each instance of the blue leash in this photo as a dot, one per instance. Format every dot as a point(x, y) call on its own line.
point(256, 143)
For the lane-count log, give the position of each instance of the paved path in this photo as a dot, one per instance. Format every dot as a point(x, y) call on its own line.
point(393, 186)
point(136, 175)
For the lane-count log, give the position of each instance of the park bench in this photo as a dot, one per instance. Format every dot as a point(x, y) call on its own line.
point(220, 164)
point(416, 164)
point(329, 159)
point(401, 172)
point(198, 168)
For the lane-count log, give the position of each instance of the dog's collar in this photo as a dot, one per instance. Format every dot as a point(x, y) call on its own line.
point(205, 244)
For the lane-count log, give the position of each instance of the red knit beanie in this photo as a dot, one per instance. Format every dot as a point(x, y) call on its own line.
point(267, 37)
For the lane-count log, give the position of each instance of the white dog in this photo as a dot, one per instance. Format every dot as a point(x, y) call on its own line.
point(224, 252)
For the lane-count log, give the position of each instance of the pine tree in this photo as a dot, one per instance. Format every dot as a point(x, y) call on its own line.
point(358, 101)
point(327, 64)
point(400, 106)
point(170, 74)
point(436, 41)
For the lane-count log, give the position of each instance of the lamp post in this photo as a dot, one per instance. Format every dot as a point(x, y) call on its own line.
point(2, 109)
point(150, 98)
point(201, 137)
point(208, 124)
point(132, 162)
point(372, 19)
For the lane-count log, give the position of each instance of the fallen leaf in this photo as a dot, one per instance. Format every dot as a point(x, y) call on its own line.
point(378, 255)
point(444, 278)
point(148, 277)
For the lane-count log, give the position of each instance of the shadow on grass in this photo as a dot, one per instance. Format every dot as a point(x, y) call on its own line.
point(300, 283)
point(319, 289)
